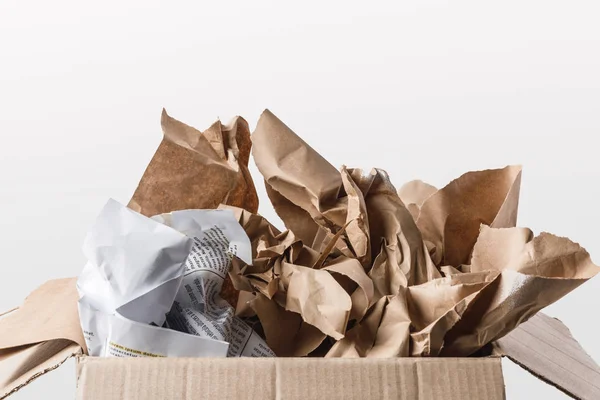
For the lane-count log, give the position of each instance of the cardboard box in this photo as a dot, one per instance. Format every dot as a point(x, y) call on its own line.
point(45, 331)
point(291, 378)
point(543, 346)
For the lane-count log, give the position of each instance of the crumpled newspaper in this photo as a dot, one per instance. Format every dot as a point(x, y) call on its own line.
point(151, 287)
point(135, 268)
point(365, 270)
point(198, 307)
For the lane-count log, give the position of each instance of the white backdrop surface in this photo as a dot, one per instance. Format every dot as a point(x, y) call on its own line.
point(426, 89)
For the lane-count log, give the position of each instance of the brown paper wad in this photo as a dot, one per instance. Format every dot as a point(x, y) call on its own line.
point(198, 170)
point(435, 281)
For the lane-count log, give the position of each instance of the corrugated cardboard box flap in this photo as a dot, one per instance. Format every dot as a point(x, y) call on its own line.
point(544, 346)
point(20, 366)
point(48, 313)
point(290, 378)
point(39, 335)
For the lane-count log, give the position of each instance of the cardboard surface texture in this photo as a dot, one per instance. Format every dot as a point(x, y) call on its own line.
point(21, 366)
point(544, 346)
point(290, 379)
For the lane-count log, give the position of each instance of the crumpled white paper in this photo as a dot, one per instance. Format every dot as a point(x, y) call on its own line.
point(198, 307)
point(152, 286)
point(135, 268)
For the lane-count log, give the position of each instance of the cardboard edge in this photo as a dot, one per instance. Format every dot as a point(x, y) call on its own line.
point(500, 350)
point(543, 378)
point(80, 361)
point(74, 353)
point(36, 375)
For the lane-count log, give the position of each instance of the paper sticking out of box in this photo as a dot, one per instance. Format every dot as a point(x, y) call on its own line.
point(444, 277)
point(198, 170)
point(198, 307)
point(134, 269)
point(363, 271)
point(152, 287)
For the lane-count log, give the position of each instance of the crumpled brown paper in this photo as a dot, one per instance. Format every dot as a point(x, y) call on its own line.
point(287, 284)
point(533, 273)
point(414, 194)
point(195, 170)
point(307, 191)
point(365, 270)
point(449, 218)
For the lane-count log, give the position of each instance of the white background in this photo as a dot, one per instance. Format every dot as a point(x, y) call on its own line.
point(423, 89)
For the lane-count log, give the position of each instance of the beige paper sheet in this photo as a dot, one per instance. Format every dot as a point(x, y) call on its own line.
point(444, 269)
